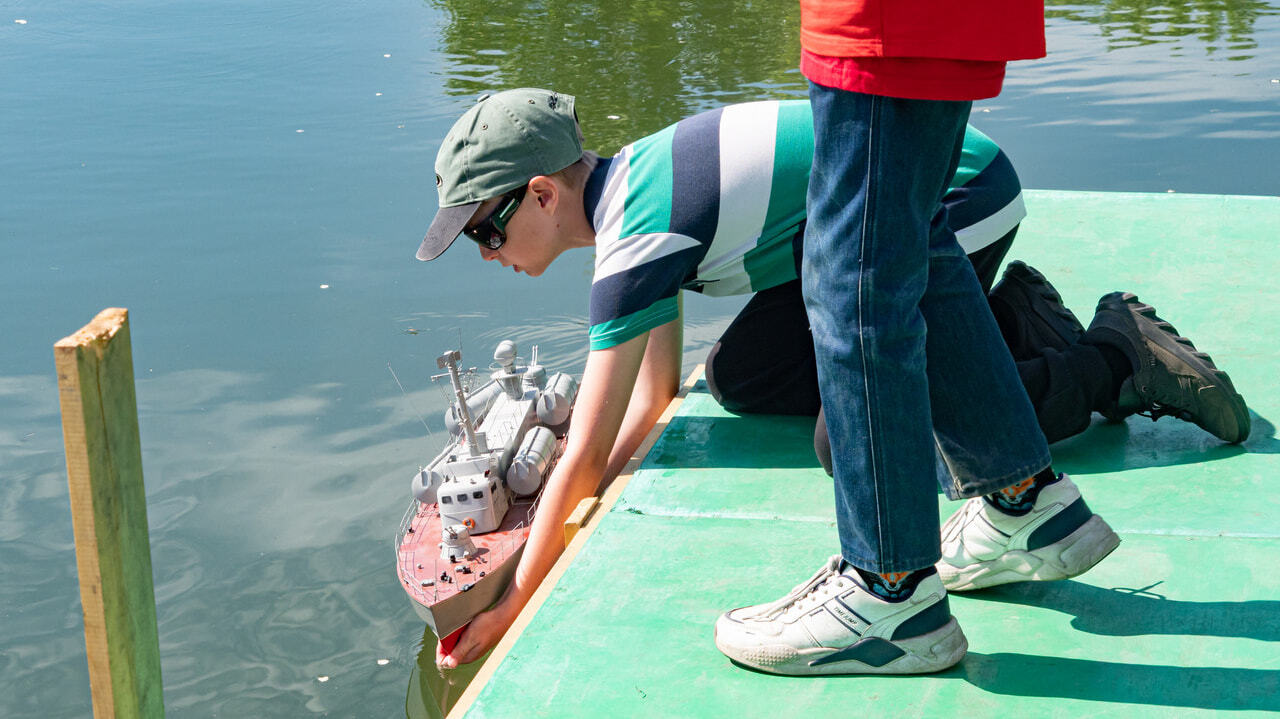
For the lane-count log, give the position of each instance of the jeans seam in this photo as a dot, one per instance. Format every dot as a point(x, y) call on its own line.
point(882, 508)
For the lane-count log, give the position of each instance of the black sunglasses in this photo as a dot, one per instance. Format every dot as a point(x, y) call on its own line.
point(491, 232)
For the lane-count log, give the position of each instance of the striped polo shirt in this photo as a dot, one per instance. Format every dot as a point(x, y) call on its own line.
point(716, 203)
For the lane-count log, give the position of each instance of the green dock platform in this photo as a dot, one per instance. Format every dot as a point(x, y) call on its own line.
point(1182, 620)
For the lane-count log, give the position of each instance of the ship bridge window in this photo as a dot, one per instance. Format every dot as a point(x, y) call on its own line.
point(446, 500)
point(477, 494)
point(462, 497)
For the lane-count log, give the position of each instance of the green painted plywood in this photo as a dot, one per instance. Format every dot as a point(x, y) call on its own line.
point(1168, 477)
point(710, 462)
point(706, 436)
point(793, 494)
point(1182, 620)
point(1165, 623)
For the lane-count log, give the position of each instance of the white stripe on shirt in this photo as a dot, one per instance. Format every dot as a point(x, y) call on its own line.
point(993, 227)
point(752, 129)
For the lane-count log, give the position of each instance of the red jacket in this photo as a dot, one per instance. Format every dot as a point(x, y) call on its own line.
point(949, 29)
point(922, 49)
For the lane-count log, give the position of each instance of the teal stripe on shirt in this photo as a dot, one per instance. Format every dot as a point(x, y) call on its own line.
point(792, 157)
point(616, 331)
point(649, 168)
point(978, 152)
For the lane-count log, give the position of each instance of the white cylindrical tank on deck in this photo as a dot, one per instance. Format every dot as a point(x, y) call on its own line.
point(425, 484)
point(555, 402)
point(525, 474)
point(535, 376)
point(476, 404)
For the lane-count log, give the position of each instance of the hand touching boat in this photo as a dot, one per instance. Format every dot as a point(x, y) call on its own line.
point(624, 390)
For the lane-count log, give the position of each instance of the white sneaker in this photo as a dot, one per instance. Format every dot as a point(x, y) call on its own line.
point(1059, 538)
point(832, 624)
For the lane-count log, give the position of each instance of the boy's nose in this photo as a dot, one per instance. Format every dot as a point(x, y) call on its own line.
point(487, 253)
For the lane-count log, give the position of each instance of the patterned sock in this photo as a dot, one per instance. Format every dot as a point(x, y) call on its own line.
point(1018, 499)
point(894, 586)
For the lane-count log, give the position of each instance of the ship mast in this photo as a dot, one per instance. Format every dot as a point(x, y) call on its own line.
point(449, 361)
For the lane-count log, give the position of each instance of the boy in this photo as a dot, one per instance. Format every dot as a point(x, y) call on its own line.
point(715, 203)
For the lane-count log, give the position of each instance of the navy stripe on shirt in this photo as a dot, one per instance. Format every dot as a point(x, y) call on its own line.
point(636, 289)
point(695, 181)
point(983, 196)
point(595, 188)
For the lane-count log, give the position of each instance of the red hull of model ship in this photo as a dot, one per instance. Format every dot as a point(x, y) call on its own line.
point(443, 603)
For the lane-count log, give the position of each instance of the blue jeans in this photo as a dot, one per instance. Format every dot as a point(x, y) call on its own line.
point(917, 383)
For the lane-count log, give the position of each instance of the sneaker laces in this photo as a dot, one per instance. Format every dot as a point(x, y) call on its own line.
point(1158, 410)
point(955, 524)
point(797, 597)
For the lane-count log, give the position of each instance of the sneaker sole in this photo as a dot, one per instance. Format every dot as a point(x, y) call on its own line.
point(940, 649)
point(1070, 556)
point(1221, 411)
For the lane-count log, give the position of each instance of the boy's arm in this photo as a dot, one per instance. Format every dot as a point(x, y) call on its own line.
point(656, 385)
point(598, 414)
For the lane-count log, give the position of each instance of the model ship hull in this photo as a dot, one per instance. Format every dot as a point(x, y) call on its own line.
point(463, 535)
point(449, 610)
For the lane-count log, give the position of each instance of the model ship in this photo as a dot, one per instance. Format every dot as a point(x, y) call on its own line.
point(461, 539)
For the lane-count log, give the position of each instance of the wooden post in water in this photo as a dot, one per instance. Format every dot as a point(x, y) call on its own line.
point(109, 514)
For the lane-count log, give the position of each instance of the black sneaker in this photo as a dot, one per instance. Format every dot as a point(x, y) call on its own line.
point(1036, 307)
point(1171, 377)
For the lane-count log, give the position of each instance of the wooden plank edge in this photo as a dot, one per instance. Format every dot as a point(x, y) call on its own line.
point(604, 503)
point(579, 517)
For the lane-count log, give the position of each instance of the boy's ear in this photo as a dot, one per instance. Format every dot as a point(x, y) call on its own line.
point(545, 191)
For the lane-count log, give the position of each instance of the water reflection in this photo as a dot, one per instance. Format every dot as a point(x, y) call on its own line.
point(1120, 70)
point(432, 692)
point(1223, 26)
point(637, 66)
point(270, 540)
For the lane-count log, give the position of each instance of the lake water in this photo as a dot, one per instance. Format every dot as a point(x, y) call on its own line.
point(251, 181)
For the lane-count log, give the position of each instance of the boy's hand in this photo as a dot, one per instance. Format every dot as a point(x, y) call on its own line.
point(478, 637)
point(603, 403)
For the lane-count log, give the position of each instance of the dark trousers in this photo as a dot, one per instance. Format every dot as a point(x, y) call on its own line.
point(764, 362)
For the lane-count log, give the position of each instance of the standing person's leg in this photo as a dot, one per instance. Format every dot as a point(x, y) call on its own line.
point(875, 232)
point(880, 264)
point(1035, 528)
point(971, 376)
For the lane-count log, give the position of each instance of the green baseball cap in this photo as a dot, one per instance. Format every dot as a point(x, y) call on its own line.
point(499, 144)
